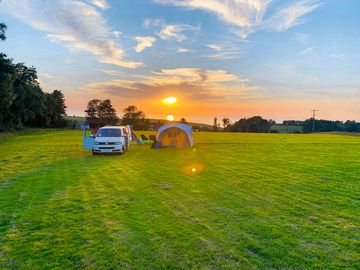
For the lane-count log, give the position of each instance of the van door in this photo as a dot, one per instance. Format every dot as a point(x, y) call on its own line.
point(88, 139)
point(129, 132)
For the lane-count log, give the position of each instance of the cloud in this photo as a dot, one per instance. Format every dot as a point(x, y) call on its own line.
point(183, 50)
point(190, 83)
point(116, 34)
point(143, 43)
point(152, 22)
point(307, 50)
point(45, 75)
point(74, 24)
point(175, 31)
point(214, 47)
point(100, 4)
point(112, 72)
point(292, 15)
point(226, 49)
point(248, 15)
point(225, 55)
point(339, 56)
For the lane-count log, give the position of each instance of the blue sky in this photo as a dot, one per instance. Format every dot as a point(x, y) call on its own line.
point(234, 58)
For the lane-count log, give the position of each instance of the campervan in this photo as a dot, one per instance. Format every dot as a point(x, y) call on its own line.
point(110, 139)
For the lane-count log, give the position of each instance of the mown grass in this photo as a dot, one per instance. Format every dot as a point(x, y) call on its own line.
point(255, 201)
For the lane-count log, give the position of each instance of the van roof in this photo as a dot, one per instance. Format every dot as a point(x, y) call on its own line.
point(117, 127)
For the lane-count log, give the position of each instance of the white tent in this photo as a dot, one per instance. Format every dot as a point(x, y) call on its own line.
point(175, 135)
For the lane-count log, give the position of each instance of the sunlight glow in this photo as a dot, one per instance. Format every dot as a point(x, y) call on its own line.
point(170, 117)
point(169, 100)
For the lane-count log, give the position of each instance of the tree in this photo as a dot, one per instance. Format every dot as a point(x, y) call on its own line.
point(92, 112)
point(22, 101)
point(252, 124)
point(136, 118)
point(183, 120)
point(55, 113)
point(226, 122)
point(100, 113)
point(2, 31)
point(7, 95)
point(215, 126)
point(107, 113)
point(28, 108)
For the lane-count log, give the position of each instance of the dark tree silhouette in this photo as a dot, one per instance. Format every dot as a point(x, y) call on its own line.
point(183, 120)
point(136, 118)
point(2, 31)
point(100, 113)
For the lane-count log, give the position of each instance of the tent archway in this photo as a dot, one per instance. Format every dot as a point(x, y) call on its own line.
point(175, 135)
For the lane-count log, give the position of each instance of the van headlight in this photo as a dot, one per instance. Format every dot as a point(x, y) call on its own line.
point(97, 143)
point(117, 143)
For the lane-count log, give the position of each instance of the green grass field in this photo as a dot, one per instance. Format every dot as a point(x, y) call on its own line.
point(254, 201)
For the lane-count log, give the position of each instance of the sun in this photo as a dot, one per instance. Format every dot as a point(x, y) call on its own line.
point(169, 100)
point(170, 117)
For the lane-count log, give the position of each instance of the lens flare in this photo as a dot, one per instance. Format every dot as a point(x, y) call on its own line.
point(169, 100)
point(193, 169)
point(170, 117)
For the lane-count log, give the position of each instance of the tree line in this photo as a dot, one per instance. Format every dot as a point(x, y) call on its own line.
point(328, 126)
point(101, 112)
point(22, 101)
point(255, 124)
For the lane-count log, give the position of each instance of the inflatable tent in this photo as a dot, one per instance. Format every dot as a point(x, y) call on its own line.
point(175, 135)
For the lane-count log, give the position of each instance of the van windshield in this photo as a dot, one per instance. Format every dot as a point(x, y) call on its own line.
point(109, 132)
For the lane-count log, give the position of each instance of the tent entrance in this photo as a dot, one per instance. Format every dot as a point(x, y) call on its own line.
point(173, 137)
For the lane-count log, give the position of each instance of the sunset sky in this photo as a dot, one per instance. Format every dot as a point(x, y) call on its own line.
point(234, 58)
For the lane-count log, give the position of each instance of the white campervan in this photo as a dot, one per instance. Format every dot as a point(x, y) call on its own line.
point(111, 139)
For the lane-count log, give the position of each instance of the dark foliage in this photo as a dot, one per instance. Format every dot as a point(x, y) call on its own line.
point(253, 124)
point(2, 31)
point(136, 118)
point(328, 126)
point(100, 113)
point(22, 101)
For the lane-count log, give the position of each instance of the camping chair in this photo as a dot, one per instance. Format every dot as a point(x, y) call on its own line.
point(145, 139)
point(152, 138)
point(135, 138)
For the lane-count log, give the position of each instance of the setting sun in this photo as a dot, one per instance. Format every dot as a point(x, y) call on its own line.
point(170, 117)
point(169, 100)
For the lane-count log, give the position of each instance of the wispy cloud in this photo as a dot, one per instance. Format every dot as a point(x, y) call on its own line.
point(112, 72)
point(153, 22)
point(116, 34)
point(339, 56)
point(214, 47)
point(291, 15)
point(75, 24)
point(143, 43)
point(224, 55)
point(307, 50)
point(175, 31)
point(191, 83)
point(226, 49)
point(45, 75)
point(183, 50)
point(248, 15)
point(100, 3)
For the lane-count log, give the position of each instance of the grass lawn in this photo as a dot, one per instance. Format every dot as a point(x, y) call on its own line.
point(254, 201)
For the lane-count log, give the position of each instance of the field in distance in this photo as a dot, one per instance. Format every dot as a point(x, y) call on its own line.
point(235, 201)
